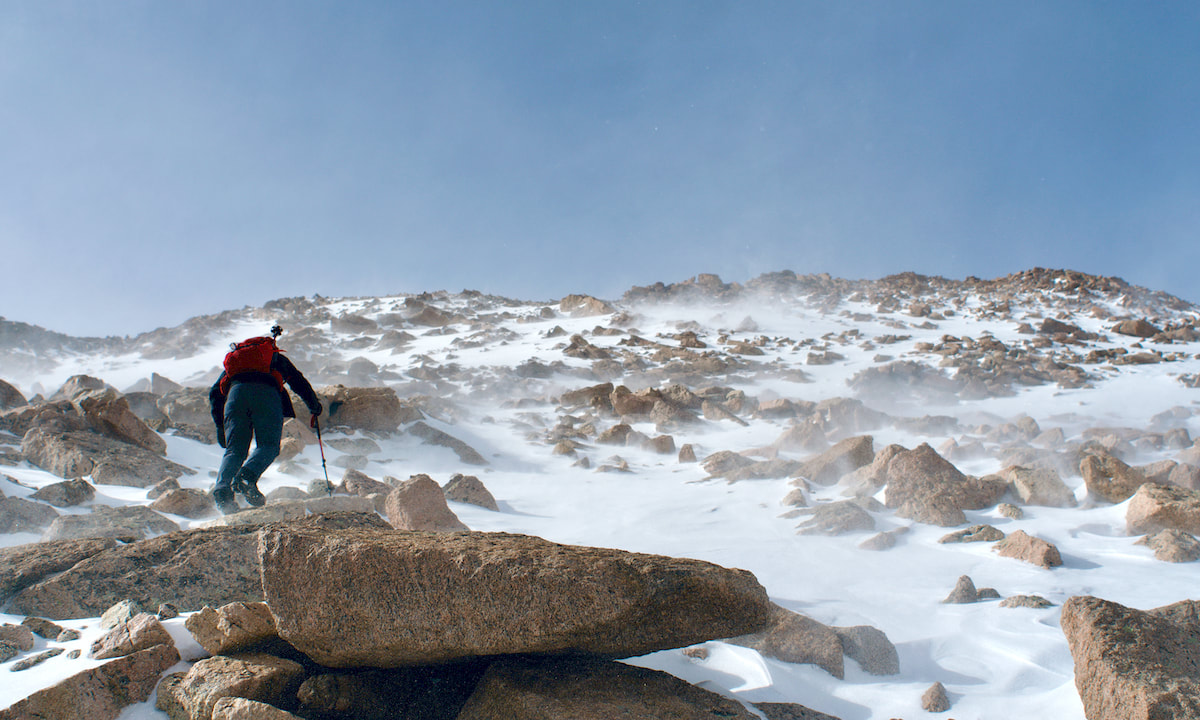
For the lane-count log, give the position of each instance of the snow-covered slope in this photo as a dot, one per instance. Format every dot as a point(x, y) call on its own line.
point(491, 371)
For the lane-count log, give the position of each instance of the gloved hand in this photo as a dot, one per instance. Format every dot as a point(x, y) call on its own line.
point(315, 410)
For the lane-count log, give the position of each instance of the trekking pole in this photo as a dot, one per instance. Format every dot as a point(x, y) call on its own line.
point(328, 485)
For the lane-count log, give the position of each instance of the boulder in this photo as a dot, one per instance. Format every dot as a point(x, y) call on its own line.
point(67, 493)
point(26, 516)
point(236, 708)
point(419, 504)
point(790, 711)
point(74, 454)
point(107, 411)
point(1110, 479)
point(844, 457)
point(926, 488)
point(433, 436)
point(189, 569)
point(15, 639)
point(376, 409)
point(590, 689)
point(935, 700)
point(428, 693)
point(10, 397)
point(804, 437)
point(188, 502)
point(1132, 664)
point(232, 628)
point(435, 597)
point(252, 676)
point(975, 533)
point(120, 613)
point(724, 462)
point(870, 648)
point(355, 482)
point(595, 397)
point(25, 565)
point(836, 518)
point(1136, 328)
point(795, 638)
point(1030, 549)
point(763, 470)
point(1172, 546)
point(964, 592)
point(43, 627)
point(469, 489)
point(131, 522)
point(1157, 507)
point(1038, 486)
point(1035, 602)
point(100, 693)
point(142, 632)
point(584, 306)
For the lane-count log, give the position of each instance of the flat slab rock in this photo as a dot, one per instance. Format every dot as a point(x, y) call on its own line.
point(391, 598)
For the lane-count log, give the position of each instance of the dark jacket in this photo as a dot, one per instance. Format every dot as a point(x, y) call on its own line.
point(291, 376)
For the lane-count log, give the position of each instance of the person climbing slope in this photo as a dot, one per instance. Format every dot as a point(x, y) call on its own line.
point(249, 399)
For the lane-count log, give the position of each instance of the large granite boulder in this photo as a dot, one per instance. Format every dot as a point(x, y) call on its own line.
point(77, 453)
point(24, 565)
point(590, 689)
point(364, 408)
point(232, 628)
point(925, 487)
point(844, 457)
point(1110, 479)
point(108, 412)
point(1132, 664)
point(141, 632)
point(189, 569)
point(1038, 486)
point(252, 676)
point(67, 493)
point(100, 693)
point(419, 503)
point(795, 638)
point(1157, 507)
point(397, 598)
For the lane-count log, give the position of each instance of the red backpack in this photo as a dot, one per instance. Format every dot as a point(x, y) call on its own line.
point(252, 355)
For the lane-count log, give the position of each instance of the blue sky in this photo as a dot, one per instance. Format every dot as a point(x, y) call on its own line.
point(160, 160)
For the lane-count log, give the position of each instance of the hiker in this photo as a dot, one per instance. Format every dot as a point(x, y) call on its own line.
point(249, 399)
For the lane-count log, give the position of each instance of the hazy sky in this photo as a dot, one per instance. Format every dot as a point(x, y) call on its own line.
point(160, 160)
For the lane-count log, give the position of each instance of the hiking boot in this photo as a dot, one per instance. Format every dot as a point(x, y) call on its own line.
point(225, 500)
point(249, 490)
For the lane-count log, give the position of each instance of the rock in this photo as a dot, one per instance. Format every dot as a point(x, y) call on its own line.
point(376, 409)
point(275, 512)
point(1110, 479)
point(884, 540)
point(590, 689)
point(359, 483)
point(429, 693)
point(142, 632)
point(21, 515)
point(1010, 511)
point(1038, 486)
point(1172, 546)
point(1136, 328)
point(14, 639)
point(595, 397)
point(964, 592)
point(74, 454)
point(236, 708)
point(870, 648)
point(1029, 549)
point(354, 446)
point(232, 628)
point(162, 488)
point(1163, 507)
point(666, 415)
point(687, 453)
point(68, 493)
point(584, 306)
point(1036, 602)
point(25, 565)
point(1132, 664)
point(167, 611)
point(35, 660)
point(107, 411)
point(836, 518)
point(845, 457)
point(434, 597)
point(10, 397)
point(935, 700)
point(975, 533)
point(120, 613)
point(468, 489)
point(252, 676)
point(724, 462)
point(100, 693)
point(131, 522)
point(1185, 475)
point(189, 503)
point(419, 504)
point(189, 569)
point(795, 638)
point(791, 711)
point(628, 404)
point(433, 436)
point(805, 437)
point(43, 627)
point(763, 470)
point(187, 407)
point(927, 488)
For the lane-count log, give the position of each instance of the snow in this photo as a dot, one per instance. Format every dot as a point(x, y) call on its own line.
point(995, 663)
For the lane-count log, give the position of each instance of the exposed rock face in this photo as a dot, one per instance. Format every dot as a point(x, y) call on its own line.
point(1039, 486)
point(141, 632)
point(101, 692)
point(253, 676)
point(419, 504)
point(1023, 546)
point(24, 565)
point(1172, 546)
point(433, 436)
point(74, 454)
point(232, 628)
point(844, 457)
point(68, 493)
point(468, 489)
point(795, 638)
point(1163, 507)
point(131, 522)
point(1110, 479)
point(927, 488)
point(437, 597)
point(1134, 665)
point(590, 689)
point(364, 408)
